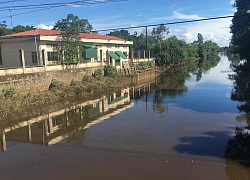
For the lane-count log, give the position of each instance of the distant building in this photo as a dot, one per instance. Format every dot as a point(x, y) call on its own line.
point(37, 47)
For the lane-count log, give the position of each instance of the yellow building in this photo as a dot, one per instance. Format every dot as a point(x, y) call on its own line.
point(37, 48)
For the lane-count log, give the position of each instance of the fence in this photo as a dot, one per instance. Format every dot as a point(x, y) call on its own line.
point(14, 63)
point(22, 62)
point(141, 56)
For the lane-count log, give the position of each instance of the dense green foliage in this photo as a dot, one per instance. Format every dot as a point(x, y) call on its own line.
point(70, 43)
point(169, 50)
point(146, 40)
point(97, 73)
point(109, 70)
point(81, 25)
point(144, 65)
point(240, 29)
point(55, 84)
point(5, 31)
point(175, 51)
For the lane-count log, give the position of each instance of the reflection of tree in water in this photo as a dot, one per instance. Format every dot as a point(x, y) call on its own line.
point(241, 91)
point(158, 103)
point(205, 65)
point(238, 148)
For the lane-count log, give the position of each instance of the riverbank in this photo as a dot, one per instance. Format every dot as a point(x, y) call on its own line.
point(13, 102)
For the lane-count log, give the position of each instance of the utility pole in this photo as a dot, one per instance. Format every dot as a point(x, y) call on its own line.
point(146, 37)
point(10, 9)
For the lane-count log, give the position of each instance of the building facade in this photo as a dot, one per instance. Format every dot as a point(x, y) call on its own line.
point(38, 48)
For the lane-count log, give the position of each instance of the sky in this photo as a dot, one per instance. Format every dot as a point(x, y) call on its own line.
point(109, 14)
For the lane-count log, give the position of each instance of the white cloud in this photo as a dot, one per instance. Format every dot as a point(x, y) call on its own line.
point(232, 2)
point(215, 30)
point(43, 26)
point(74, 5)
point(177, 15)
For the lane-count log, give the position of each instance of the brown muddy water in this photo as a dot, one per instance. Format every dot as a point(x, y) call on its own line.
point(176, 127)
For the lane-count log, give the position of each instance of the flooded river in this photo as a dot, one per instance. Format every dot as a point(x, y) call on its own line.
point(176, 127)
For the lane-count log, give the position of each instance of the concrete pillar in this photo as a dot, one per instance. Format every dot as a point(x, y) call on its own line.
point(46, 127)
point(3, 140)
point(105, 104)
point(121, 63)
point(22, 60)
point(29, 132)
point(100, 106)
point(144, 54)
point(50, 126)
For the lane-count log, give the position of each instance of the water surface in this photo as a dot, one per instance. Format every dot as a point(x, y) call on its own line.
point(176, 127)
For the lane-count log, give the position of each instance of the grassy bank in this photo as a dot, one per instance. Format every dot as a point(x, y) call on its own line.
point(14, 104)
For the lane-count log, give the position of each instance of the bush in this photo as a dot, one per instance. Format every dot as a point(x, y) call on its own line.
point(55, 84)
point(97, 73)
point(144, 65)
point(8, 92)
point(109, 70)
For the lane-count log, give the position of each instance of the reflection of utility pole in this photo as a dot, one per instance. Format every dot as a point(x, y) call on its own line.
point(10, 16)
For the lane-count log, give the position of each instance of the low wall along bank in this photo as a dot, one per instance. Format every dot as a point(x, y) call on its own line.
point(40, 81)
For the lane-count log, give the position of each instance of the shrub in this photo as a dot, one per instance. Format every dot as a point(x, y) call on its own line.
point(108, 70)
point(144, 65)
point(97, 73)
point(8, 92)
point(55, 84)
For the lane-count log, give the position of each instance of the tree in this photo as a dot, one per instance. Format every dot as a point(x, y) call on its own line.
point(3, 29)
point(70, 45)
point(158, 34)
point(209, 49)
point(82, 25)
point(240, 29)
point(21, 28)
point(174, 51)
point(124, 34)
point(200, 39)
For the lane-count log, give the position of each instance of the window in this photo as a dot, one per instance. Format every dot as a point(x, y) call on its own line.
point(52, 56)
point(34, 57)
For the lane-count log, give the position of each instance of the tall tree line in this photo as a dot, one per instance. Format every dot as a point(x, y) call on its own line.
point(4, 30)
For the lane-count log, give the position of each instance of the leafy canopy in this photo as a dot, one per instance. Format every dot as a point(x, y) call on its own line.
point(81, 25)
point(240, 29)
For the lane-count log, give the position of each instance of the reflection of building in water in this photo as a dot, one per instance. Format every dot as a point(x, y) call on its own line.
point(70, 123)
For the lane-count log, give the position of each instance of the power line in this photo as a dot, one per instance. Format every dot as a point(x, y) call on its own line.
point(6, 2)
point(42, 7)
point(170, 23)
point(68, 3)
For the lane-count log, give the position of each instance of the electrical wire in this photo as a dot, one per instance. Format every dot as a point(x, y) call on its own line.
point(6, 2)
point(32, 6)
point(42, 7)
point(169, 23)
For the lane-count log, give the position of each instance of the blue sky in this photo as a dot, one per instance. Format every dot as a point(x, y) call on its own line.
point(106, 14)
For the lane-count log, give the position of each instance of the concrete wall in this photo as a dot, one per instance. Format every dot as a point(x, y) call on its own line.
point(40, 81)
